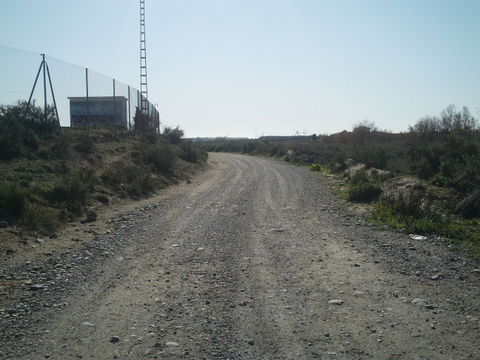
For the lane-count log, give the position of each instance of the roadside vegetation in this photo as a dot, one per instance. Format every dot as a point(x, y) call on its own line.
point(50, 175)
point(426, 180)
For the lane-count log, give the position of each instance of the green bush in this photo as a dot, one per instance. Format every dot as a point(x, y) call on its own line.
point(129, 179)
point(144, 123)
point(190, 153)
point(61, 148)
point(416, 201)
point(18, 205)
point(159, 156)
point(13, 200)
point(441, 180)
point(315, 167)
point(464, 232)
point(41, 218)
point(363, 192)
point(173, 135)
point(102, 198)
point(388, 214)
point(359, 177)
point(71, 193)
point(20, 129)
point(85, 144)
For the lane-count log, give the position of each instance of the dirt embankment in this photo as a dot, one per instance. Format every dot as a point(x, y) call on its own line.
point(252, 260)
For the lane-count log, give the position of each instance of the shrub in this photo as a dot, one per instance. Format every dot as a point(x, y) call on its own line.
point(441, 180)
point(159, 156)
point(416, 201)
point(41, 218)
point(20, 128)
point(315, 167)
point(13, 200)
point(386, 213)
point(85, 144)
point(72, 192)
point(129, 179)
point(469, 207)
point(9, 148)
point(143, 123)
point(363, 192)
point(174, 136)
point(359, 177)
point(60, 148)
point(102, 198)
point(190, 153)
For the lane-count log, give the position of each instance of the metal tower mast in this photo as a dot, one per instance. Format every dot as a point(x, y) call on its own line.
point(143, 61)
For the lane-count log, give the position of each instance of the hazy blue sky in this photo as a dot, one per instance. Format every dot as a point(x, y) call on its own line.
point(253, 67)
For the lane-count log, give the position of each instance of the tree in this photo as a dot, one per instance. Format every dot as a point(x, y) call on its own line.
point(21, 125)
point(362, 130)
point(143, 123)
point(174, 136)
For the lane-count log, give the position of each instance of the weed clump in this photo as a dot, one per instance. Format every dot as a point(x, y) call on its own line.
point(361, 188)
point(363, 192)
point(190, 153)
point(129, 179)
point(50, 175)
point(159, 156)
point(13, 201)
point(73, 192)
point(42, 218)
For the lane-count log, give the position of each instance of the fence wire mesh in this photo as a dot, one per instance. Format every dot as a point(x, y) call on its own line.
point(82, 96)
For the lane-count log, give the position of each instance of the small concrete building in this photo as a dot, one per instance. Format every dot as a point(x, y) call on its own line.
point(98, 110)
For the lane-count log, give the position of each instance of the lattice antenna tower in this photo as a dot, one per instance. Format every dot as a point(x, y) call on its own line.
point(143, 61)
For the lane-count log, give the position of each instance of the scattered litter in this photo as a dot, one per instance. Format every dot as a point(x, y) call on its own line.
point(114, 339)
point(419, 301)
point(417, 237)
point(336, 302)
point(37, 287)
point(86, 323)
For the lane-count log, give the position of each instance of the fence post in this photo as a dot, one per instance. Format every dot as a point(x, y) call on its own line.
point(114, 107)
point(35, 83)
point(129, 109)
point(86, 93)
point(139, 100)
point(53, 94)
point(44, 89)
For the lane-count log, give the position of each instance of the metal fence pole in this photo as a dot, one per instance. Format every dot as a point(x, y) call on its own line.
point(86, 93)
point(35, 83)
point(138, 100)
point(44, 89)
point(53, 94)
point(114, 107)
point(129, 109)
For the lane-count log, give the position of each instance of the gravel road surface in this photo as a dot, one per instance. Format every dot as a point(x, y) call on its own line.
point(254, 259)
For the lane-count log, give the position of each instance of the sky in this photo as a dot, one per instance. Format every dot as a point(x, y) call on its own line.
point(247, 68)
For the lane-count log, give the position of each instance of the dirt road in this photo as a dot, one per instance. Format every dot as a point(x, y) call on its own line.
point(252, 260)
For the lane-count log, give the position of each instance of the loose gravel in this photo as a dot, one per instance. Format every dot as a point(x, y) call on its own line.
point(254, 259)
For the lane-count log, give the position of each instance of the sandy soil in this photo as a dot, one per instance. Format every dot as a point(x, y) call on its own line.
point(255, 259)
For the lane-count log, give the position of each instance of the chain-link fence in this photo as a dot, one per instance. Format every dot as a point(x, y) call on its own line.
point(82, 96)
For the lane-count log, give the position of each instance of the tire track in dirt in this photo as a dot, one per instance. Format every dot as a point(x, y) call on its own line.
point(242, 264)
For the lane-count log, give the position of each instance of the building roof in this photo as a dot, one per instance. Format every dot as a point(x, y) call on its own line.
point(99, 98)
